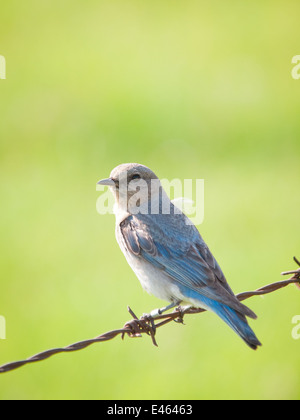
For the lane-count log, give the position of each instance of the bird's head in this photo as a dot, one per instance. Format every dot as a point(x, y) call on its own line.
point(134, 186)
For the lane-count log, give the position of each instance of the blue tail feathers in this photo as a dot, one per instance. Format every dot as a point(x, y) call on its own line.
point(237, 321)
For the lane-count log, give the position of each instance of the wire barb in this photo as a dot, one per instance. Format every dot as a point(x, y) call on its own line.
point(146, 324)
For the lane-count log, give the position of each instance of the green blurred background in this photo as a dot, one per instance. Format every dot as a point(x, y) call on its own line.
point(192, 89)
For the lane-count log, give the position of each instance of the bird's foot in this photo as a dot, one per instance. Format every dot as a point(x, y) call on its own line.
point(150, 319)
point(143, 325)
point(147, 321)
point(181, 312)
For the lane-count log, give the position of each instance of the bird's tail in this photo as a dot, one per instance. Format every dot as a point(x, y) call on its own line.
point(236, 319)
point(238, 322)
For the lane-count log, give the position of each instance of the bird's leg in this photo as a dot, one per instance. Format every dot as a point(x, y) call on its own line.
point(156, 312)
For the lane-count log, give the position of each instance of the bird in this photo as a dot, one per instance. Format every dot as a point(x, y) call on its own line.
point(167, 252)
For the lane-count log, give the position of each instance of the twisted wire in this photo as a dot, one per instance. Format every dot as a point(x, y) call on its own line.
point(146, 324)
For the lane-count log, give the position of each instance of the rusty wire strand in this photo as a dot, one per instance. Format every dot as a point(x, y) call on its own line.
point(146, 324)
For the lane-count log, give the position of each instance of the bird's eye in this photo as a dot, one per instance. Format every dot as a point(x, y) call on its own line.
point(136, 176)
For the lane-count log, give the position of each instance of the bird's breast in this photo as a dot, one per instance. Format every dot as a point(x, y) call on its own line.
point(153, 279)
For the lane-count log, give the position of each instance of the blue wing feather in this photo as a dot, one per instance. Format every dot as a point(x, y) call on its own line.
point(188, 262)
point(186, 259)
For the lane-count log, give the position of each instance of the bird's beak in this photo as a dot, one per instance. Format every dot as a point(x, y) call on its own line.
point(108, 181)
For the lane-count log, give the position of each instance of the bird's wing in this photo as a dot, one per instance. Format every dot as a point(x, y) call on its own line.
point(182, 254)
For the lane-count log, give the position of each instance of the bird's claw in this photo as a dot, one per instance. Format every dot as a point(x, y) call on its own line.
point(180, 310)
point(149, 319)
point(143, 325)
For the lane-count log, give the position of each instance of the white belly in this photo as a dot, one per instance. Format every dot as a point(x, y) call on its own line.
point(152, 279)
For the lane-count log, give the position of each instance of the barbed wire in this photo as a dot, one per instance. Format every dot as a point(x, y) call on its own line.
point(146, 324)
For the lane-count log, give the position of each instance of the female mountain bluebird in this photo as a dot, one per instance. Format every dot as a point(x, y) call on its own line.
point(166, 251)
